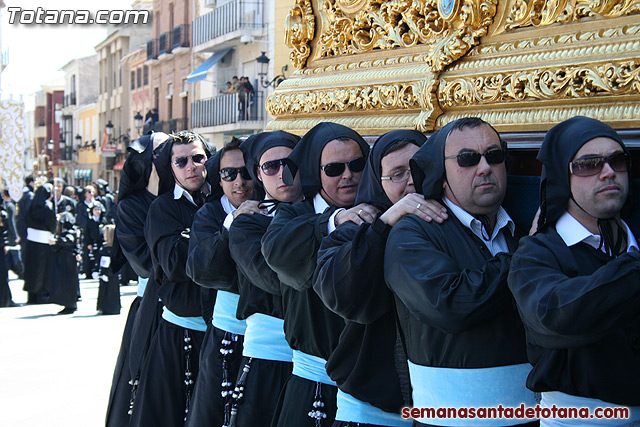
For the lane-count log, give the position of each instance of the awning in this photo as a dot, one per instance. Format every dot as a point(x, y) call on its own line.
point(118, 166)
point(201, 72)
point(83, 174)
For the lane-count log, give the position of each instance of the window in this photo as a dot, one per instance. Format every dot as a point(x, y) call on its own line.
point(133, 80)
point(139, 73)
point(146, 75)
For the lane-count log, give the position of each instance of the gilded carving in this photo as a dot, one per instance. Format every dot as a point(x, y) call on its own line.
point(358, 27)
point(539, 13)
point(429, 106)
point(299, 30)
point(395, 96)
point(543, 84)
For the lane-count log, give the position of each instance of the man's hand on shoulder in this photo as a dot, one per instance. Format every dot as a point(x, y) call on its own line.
point(414, 203)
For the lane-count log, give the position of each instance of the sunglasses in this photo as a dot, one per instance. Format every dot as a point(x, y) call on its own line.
point(198, 159)
point(272, 167)
point(471, 158)
point(400, 176)
point(337, 168)
point(230, 174)
point(592, 165)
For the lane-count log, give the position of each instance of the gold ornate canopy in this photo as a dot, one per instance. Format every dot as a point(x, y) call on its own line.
point(522, 65)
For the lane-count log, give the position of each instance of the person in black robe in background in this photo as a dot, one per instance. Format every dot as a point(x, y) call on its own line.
point(464, 340)
point(576, 280)
point(330, 158)
point(210, 265)
point(349, 278)
point(41, 224)
point(93, 237)
point(109, 288)
point(6, 300)
point(171, 365)
point(83, 211)
point(266, 353)
point(22, 207)
point(13, 257)
point(64, 268)
point(139, 185)
point(61, 202)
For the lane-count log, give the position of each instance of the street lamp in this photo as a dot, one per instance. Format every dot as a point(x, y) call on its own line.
point(62, 143)
point(263, 60)
point(50, 145)
point(109, 129)
point(137, 121)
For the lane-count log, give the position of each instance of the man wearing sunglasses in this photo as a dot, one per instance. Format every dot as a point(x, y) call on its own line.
point(576, 280)
point(465, 342)
point(330, 159)
point(210, 265)
point(171, 364)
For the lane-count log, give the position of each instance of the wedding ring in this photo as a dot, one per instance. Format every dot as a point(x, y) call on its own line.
point(359, 212)
point(419, 204)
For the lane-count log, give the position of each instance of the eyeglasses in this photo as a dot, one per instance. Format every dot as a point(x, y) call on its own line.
point(467, 159)
point(198, 159)
point(272, 167)
point(592, 165)
point(230, 174)
point(337, 168)
point(400, 176)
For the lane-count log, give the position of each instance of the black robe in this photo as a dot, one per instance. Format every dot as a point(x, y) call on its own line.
point(162, 396)
point(210, 265)
point(290, 247)
point(454, 307)
point(259, 285)
point(6, 299)
point(109, 288)
point(580, 311)
point(39, 256)
point(350, 281)
point(65, 204)
point(64, 269)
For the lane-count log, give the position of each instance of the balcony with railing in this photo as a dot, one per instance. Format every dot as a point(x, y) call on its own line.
point(167, 126)
point(243, 109)
point(152, 51)
point(229, 21)
point(164, 46)
point(180, 39)
point(69, 99)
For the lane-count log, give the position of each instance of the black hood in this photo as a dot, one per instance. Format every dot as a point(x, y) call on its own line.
point(306, 156)
point(162, 160)
point(42, 194)
point(213, 175)
point(256, 145)
point(427, 165)
point(137, 168)
point(370, 189)
point(560, 145)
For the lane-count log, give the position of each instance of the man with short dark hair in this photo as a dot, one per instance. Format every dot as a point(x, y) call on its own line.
point(61, 202)
point(576, 282)
point(464, 340)
point(171, 366)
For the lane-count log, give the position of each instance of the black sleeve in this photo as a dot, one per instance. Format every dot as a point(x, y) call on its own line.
point(245, 245)
point(291, 243)
point(433, 287)
point(130, 218)
point(168, 244)
point(209, 263)
point(349, 277)
point(565, 311)
point(4, 230)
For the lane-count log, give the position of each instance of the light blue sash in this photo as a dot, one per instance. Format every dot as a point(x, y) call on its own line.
point(224, 313)
point(195, 323)
point(264, 339)
point(353, 410)
point(471, 388)
point(311, 368)
point(142, 285)
point(563, 400)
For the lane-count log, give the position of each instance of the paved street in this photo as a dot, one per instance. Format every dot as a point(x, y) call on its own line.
point(57, 370)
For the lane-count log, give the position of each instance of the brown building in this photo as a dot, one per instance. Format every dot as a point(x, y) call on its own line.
point(169, 58)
